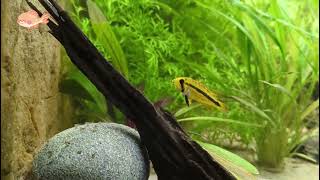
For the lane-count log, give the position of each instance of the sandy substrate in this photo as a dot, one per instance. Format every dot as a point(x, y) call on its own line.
point(295, 170)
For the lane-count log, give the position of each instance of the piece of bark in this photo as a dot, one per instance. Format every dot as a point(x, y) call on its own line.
point(173, 154)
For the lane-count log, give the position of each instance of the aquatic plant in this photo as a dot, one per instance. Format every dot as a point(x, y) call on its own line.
point(91, 104)
point(277, 63)
point(263, 56)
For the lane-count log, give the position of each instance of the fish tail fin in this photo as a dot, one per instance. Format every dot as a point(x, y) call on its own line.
point(45, 18)
point(221, 107)
point(224, 108)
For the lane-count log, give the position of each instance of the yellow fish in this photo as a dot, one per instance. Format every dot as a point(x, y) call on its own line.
point(194, 90)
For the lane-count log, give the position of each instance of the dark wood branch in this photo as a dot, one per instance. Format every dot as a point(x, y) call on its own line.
point(174, 155)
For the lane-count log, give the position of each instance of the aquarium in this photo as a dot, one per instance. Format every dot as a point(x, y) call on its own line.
point(148, 89)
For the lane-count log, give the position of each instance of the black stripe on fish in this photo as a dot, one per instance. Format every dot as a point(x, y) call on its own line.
point(187, 100)
point(181, 81)
point(182, 84)
point(204, 94)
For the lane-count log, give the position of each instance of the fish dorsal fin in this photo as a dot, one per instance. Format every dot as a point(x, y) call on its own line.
point(33, 13)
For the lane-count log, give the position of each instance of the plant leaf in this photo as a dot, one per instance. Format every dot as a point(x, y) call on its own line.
point(230, 159)
point(310, 108)
point(74, 88)
point(217, 119)
point(186, 109)
point(279, 87)
point(83, 88)
point(305, 157)
point(106, 36)
point(254, 108)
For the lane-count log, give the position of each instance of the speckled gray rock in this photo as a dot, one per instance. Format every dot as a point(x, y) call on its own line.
point(104, 151)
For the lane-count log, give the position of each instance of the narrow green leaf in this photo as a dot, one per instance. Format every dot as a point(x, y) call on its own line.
point(254, 109)
point(106, 36)
point(74, 88)
point(309, 109)
point(85, 86)
point(279, 87)
point(230, 19)
point(305, 157)
point(229, 157)
point(287, 24)
point(263, 25)
point(186, 109)
point(217, 119)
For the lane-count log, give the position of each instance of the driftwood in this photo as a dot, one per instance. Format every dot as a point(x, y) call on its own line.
point(173, 154)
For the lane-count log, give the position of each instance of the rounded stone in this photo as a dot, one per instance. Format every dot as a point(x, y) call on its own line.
point(102, 151)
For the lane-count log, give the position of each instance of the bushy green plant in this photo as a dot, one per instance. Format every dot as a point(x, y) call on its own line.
point(263, 56)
